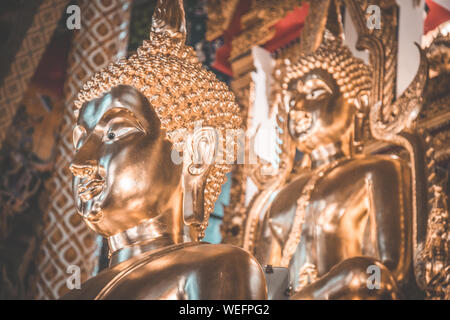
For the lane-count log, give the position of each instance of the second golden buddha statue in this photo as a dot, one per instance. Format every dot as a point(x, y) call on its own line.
point(344, 214)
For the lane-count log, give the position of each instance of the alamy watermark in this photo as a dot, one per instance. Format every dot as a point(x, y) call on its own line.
point(73, 22)
point(374, 280)
point(374, 18)
point(228, 147)
point(74, 280)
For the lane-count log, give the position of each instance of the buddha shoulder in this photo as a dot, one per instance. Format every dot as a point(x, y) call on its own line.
point(199, 271)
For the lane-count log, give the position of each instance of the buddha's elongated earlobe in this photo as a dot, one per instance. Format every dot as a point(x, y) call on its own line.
point(199, 153)
point(361, 104)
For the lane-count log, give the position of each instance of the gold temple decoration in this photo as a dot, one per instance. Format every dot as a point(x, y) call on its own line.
point(418, 121)
point(181, 91)
point(220, 14)
point(434, 123)
point(259, 23)
point(311, 39)
point(398, 123)
point(354, 80)
point(381, 126)
point(381, 43)
point(316, 19)
point(352, 76)
point(260, 20)
point(437, 246)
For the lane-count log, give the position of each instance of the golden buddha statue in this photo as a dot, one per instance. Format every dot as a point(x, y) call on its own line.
point(344, 214)
point(146, 174)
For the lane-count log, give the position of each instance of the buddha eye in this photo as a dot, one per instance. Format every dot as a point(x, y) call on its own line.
point(315, 94)
point(111, 136)
point(121, 124)
point(316, 88)
point(118, 131)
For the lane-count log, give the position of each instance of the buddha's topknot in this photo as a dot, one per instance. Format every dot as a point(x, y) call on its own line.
point(352, 75)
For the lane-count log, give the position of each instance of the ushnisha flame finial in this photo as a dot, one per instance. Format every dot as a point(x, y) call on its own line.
point(169, 17)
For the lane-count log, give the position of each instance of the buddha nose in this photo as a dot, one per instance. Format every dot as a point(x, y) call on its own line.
point(84, 170)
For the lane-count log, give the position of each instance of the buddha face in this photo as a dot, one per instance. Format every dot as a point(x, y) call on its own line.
point(318, 113)
point(123, 172)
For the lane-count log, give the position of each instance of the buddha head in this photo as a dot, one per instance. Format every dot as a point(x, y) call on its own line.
point(148, 129)
point(322, 92)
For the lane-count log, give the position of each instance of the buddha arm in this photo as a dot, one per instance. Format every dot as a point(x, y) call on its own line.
point(350, 279)
point(388, 202)
point(233, 276)
point(390, 213)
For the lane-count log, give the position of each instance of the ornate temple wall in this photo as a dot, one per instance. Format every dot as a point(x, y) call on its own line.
point(102, 39)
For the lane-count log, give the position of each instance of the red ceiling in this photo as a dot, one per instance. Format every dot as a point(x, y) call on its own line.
point(287, 29)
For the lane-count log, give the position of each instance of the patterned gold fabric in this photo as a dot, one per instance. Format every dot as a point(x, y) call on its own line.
point(27, 59)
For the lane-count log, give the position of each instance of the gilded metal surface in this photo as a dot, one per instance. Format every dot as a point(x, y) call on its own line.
point(434, 121)
point(117, 136)
point(352, 80)
point(183, 271)
point(314, 25)
point(382, 47)
point(436, 252)
point(220, 13)
point(257, 27)
point(346, 212)
point(397, 123)
point(328, 235)
point(131, 120)
point(258, 24)
point(419, 130)
point(169, 74)
point(310, 40)
point(438, 51)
